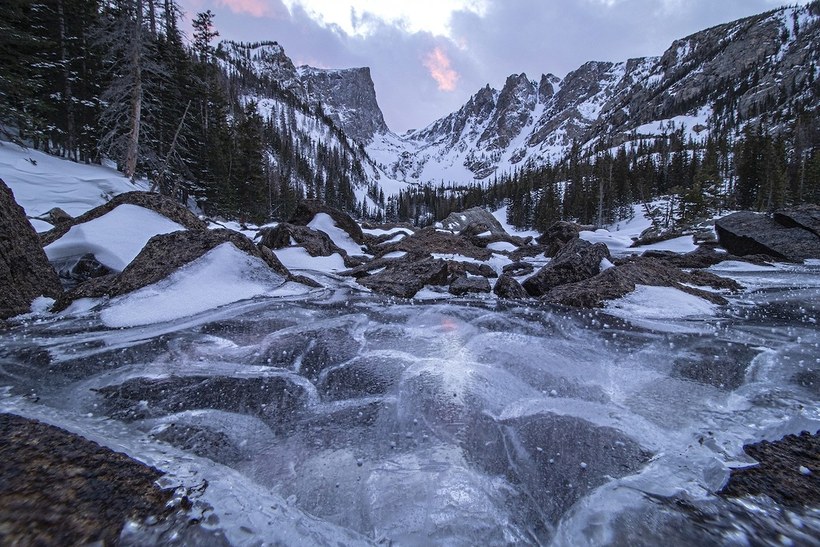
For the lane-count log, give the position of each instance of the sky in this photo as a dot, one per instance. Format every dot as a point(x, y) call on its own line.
point(427, 57)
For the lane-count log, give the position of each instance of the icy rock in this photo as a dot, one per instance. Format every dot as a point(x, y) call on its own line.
point(316, 243)
point(746, 233)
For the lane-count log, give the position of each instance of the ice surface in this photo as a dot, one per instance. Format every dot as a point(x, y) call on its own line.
point(647, 302)
point(222, 276)
point(115, 238)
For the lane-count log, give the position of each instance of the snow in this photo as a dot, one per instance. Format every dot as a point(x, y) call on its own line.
point(504, 246)
point(41, 182)
point(683, 244)
point(382, 232)
point(738, 266)
point(501, 216)
point(395, 254)
point(221, 276)
point(648, 302)
point(324, 223)
point(40, 226)
point(298, 259)
point(115, 238)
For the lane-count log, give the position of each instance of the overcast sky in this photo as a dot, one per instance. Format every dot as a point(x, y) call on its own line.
point(427, 57)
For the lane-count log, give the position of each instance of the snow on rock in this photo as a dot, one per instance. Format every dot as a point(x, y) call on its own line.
point(298, 259)
point(647, 302)
point(41, 182)
point(502, 246)
point(115, 238)
point(324, 223)
point(228, 274)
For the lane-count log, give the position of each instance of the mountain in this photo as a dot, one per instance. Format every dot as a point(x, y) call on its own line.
point(759, 67)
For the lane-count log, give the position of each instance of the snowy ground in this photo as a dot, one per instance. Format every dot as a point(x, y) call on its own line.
point(457, 422)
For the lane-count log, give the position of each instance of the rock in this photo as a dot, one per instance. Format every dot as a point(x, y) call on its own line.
point(703, 257)
point(508, 287)
point(482, 235)
point(57, 488)
point(458, 222)
point(805, 216)
point(747, 233)
point(163, 255)
point(25, 272)
point(456, 268)
point(316, 243)
point(557, 235)
point(517, 269)
point(529, 251)
point(621, 280)
point(274, 399)
point(163, 205)
point(308, 209)
point(404, 278)
point(779, 474)
point(57, 216)
point(464, 284)
point(429, 240)
point(80, 270)
point(656, 234)
point(200, 440)
point(576, 261)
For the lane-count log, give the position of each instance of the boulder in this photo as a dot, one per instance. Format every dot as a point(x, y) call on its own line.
point(427, 241)
point(517, 269)
point(703, 257)
point(621, 280)
point(316, 243)
point(508, 287)
point(747, 233)
point(465, 284)
point(576, 261)
point(25, 272)
point(788, 471)
point(805, 216)
point(529, 251)
point(160, 204)
point(404, 278)
point(57, 488)
point(57, 216)
point(458, 222)
point(557, 235)
point(86, 267)
point(308, 209)
point(163, 255)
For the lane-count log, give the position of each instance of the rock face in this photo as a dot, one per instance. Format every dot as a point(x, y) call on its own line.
point(558, 235)
point(429, 240)
point(788, 471)
point(576, 261)
point(163, 255)
point(25, 272)
point(60, 489)
point(806, 217)
point(316, 243)
point(747, 233)
point(508, 287)
point(464, 284)
point(149, 200)
point(348, 97)
point(458, 222)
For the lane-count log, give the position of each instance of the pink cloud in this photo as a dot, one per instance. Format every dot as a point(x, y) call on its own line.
point(441, 70)
point(257, 8)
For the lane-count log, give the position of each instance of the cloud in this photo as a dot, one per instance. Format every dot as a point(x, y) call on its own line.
point(257, 8)
point(441, 70)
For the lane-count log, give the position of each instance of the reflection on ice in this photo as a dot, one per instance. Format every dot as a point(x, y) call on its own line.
point(347, 417)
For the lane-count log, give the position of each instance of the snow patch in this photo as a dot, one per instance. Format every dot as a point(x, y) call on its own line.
point(324, 223)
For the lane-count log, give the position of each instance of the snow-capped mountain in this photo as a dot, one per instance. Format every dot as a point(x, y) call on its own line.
point(765, 65)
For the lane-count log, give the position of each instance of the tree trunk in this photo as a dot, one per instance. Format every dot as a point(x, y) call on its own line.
point(71, 136)
point(132, 153)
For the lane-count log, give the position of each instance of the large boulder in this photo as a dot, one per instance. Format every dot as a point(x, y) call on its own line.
point(308, 209)
point(160, 204)
point(404, 278)
point(576, 261)
point(57, 488)
point(163, 255)
point(25, 272)
point(508, 287)
point(466, 284)
point(805, 216)
point(557, 235)
point(429, 240)
point(476, 216)
point(747, 233)
point(316, 243)
point(621, 280)
point(703, 257)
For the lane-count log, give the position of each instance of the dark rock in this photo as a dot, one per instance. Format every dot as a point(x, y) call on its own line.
point(57, 216)
point(528, 251)
point(78, 270)
point(558, 235)
point(656, 234)
point(429, 240)
point(163, 255)
point(274, 399)
point(57, 488)
point(362, 376)
point(576, 261)
point(202, 441)
point(316, 243)
point(720, 365)
point(149, 200)
point(704, 257)
point(805, 216)
point(458, 222)
point(778, 474)
point(404, 278)
point(457, 268)
point(463, 284)
point(621, 280)
point(25, 272)
point(517, 269)
point(308, 209)
point(508, 287)
point(747, 233)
